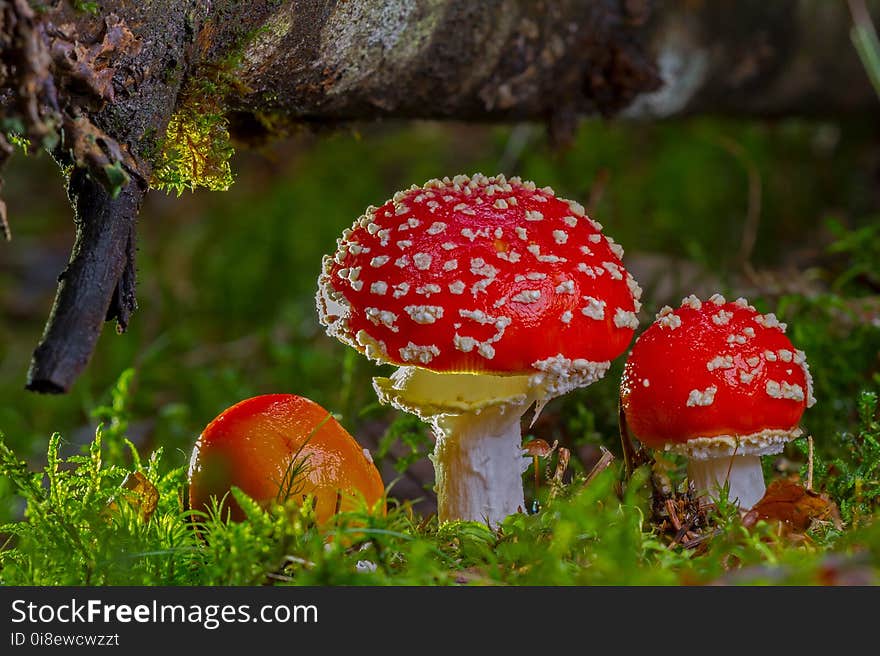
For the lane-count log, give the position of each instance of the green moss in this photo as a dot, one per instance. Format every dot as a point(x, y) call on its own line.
point(195, 151)
point(83, 528)
point(87, 6)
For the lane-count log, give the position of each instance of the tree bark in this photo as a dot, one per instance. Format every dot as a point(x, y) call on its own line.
point(107, 84)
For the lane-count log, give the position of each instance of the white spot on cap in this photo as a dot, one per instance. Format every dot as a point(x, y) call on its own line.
point(457, 287)
point(595, 308)
point(692, 302)
point(566, 316)
point(570, 221)
point(379, 287)
point(769, 320)
point(587, 269)
point(479, 267)
point(534, 215)
point(784, 390)
point(513, 257)
point(379, 260)
point(576, 207)
point(561, 236)
point(419, 353)
point(427, 290)
point(720, 362)
point(613, 269)
point(565, 287)
point(471, 235)
point(422, 261)
point(702, 398)
point(424, 314)
point(722, 318)
point(668, 320)
point(450, 265)
point(382, 317)
point(625, 319)
point(436, 228)
point(401, 289)
point(527, 296)
point(464, 344)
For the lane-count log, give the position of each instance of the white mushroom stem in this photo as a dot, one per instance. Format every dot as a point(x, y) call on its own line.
point(478, 463)
point(478, 459)
point(742, 472)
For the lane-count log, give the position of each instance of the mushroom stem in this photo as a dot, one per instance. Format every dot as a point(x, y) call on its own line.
point(742, 472)
point(479, 462)
point(537, 476)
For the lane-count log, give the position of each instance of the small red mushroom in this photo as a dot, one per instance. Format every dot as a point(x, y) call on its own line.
point(723, 385)
point(490, 295)
point(277, 446)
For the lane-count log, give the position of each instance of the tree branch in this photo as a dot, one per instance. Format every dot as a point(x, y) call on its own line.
point(97, 284)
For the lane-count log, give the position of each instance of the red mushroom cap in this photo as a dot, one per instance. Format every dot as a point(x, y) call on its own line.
point(482, 275)
point(715, 369)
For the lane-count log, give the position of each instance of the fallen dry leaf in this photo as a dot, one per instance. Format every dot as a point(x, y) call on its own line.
point(791, 504)
point(140, 493)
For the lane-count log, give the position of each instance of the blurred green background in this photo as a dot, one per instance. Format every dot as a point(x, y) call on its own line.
point(783, 212)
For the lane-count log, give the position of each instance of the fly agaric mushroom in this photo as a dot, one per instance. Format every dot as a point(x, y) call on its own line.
point(280, 445)
point(490, 295)
point(719, 383)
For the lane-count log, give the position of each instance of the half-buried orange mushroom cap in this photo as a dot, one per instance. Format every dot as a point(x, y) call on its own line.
point(281, 445)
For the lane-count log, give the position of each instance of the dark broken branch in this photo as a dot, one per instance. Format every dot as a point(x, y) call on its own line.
point(98, 283)
point(95, 90)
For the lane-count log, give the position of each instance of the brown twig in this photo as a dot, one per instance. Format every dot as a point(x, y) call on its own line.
point(810, 463)
point(604, 462)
